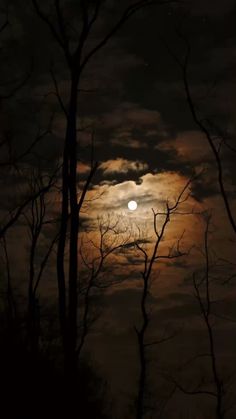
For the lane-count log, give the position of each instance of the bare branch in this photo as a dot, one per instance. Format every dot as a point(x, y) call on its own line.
point(57, 93)
point(201, 123)
point(194, 392)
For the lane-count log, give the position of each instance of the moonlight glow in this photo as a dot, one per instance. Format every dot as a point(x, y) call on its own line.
point(132, 205)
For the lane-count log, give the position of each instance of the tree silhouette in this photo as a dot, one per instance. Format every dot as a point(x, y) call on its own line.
point(214, 136)
point(36, 219)
point(77, 55)
point(112, 237)
point(149, 260)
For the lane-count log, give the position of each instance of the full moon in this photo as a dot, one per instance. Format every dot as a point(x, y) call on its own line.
point(132, 205)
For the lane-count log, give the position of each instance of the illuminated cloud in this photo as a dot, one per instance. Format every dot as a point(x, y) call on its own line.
point(151, 187)
point(121, 165)
point(153, 190)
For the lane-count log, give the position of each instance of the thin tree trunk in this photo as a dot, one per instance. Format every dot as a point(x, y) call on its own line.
point(61, 246)
point(31, 321)
point(206, 313)
point(142, 354)
point(11, 307)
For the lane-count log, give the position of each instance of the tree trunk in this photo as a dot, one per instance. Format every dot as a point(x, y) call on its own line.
point(31, 312)
point(142, 356)
point(142, 378)
point(69, 192)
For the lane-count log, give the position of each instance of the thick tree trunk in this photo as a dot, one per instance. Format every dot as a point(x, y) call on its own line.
point(71, 140)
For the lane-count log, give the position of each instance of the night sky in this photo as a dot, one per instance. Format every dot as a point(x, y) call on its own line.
point(134, 120)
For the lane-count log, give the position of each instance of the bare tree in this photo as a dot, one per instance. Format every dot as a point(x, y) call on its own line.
point(37, 218)
point(11, 304)
point(14, 214)
point(205, 303)
point(215, 138)
point(9, 158)
point(112, 237)
point(215, 386)
point(77, 57)
point(150, 257)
